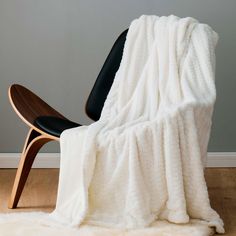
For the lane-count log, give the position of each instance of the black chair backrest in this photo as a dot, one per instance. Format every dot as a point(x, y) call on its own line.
point(105, 79)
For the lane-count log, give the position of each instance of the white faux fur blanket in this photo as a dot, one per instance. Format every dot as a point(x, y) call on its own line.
point(143, 161)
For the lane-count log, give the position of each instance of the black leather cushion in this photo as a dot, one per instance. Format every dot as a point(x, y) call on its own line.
point(54, 125)
point(105, 79)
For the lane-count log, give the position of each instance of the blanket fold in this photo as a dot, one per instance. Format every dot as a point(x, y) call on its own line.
point(144, 159)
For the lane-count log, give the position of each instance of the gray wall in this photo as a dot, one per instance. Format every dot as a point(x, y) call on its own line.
point(57, 47)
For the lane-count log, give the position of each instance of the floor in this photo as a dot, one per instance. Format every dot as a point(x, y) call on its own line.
point(40, 192)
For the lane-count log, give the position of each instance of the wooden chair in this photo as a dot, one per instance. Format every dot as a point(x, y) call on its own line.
point(46, 124)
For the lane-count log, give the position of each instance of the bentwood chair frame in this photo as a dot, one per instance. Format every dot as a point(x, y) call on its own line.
point(46, 124)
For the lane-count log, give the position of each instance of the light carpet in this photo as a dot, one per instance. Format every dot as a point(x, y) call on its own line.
point(34, 224)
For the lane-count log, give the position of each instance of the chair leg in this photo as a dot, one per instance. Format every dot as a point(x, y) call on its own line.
point(33, 143)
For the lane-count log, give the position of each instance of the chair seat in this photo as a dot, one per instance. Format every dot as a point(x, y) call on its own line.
point(54, 125)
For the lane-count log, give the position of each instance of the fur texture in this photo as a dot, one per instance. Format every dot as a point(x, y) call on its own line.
point(31, 224)
point(141, 165)
point(144, 159)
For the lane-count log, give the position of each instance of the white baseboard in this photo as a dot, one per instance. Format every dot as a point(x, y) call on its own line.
point(52, 160)
point(221, 159)
point(42, 160)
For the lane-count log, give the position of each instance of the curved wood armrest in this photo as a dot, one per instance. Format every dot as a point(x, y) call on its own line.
point(29, 106)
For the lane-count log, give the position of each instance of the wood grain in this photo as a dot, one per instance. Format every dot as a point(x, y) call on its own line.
point(28, 106)
point(41, 188)
point(33, 143)
point(39, 193)
point(222, 192)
